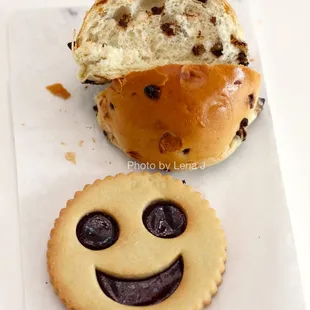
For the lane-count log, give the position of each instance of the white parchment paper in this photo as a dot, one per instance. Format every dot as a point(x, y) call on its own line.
point(246, 190)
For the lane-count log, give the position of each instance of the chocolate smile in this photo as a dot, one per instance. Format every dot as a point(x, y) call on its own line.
point(143, 292)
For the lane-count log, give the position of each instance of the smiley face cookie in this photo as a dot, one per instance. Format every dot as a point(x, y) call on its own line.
point(136, 240)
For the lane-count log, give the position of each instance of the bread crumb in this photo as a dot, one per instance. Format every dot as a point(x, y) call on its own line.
point(94, 140)
point(252, 59)
point(71, 156)
point(59, 91)
point(23, 124)
point(86, 87)
point(62, 143)
point(81, 143)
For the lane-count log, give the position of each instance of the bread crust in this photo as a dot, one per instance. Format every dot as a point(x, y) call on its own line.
point(193, 114)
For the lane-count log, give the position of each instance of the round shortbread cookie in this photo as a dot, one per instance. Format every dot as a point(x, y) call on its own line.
point(137, 240)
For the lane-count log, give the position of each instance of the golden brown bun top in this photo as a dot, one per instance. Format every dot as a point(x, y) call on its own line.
point(176, 113)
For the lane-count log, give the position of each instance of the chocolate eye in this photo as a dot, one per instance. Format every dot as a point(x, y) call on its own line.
point(97, 231)
point(164, 219)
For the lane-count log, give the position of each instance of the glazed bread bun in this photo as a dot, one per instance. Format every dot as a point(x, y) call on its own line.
point(185, 116)
point(123, 36)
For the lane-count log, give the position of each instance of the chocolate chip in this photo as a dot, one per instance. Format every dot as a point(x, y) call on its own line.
point(239, 133)
point(164, 219)
point(95, 108)
point(251, 101)
point(186, 151)
point(105, 134)
point(260, 105)
point(236, 42)
point(142, 292)
point(152, 91)
point(243, 59)
point(157, 10)
point(262, 100)
point(198, 49)
point(183, 181)
point(123, 22)
point(168, 29)
point(70, 45)
point(199, 34)
point(237, 82)
point(244, 122)
point(112, 107)
point(217, 49)
point(90, 82)
point(242, 133)
point(97, 231)
point(170, 142)
point(213, 20)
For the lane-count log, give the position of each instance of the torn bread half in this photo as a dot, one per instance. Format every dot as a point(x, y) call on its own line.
point(122, 36)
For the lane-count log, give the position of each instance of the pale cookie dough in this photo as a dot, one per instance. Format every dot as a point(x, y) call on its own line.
point(139, 239)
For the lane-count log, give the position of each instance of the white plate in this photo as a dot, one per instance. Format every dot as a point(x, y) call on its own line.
point(246, 190)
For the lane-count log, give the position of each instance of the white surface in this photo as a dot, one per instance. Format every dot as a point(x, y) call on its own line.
point(10, 268)
point(281, 33)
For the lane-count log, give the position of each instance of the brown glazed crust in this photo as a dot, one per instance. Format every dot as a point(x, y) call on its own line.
point(193, 119)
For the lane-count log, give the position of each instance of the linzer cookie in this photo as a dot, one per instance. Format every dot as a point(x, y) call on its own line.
point(136, 240)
